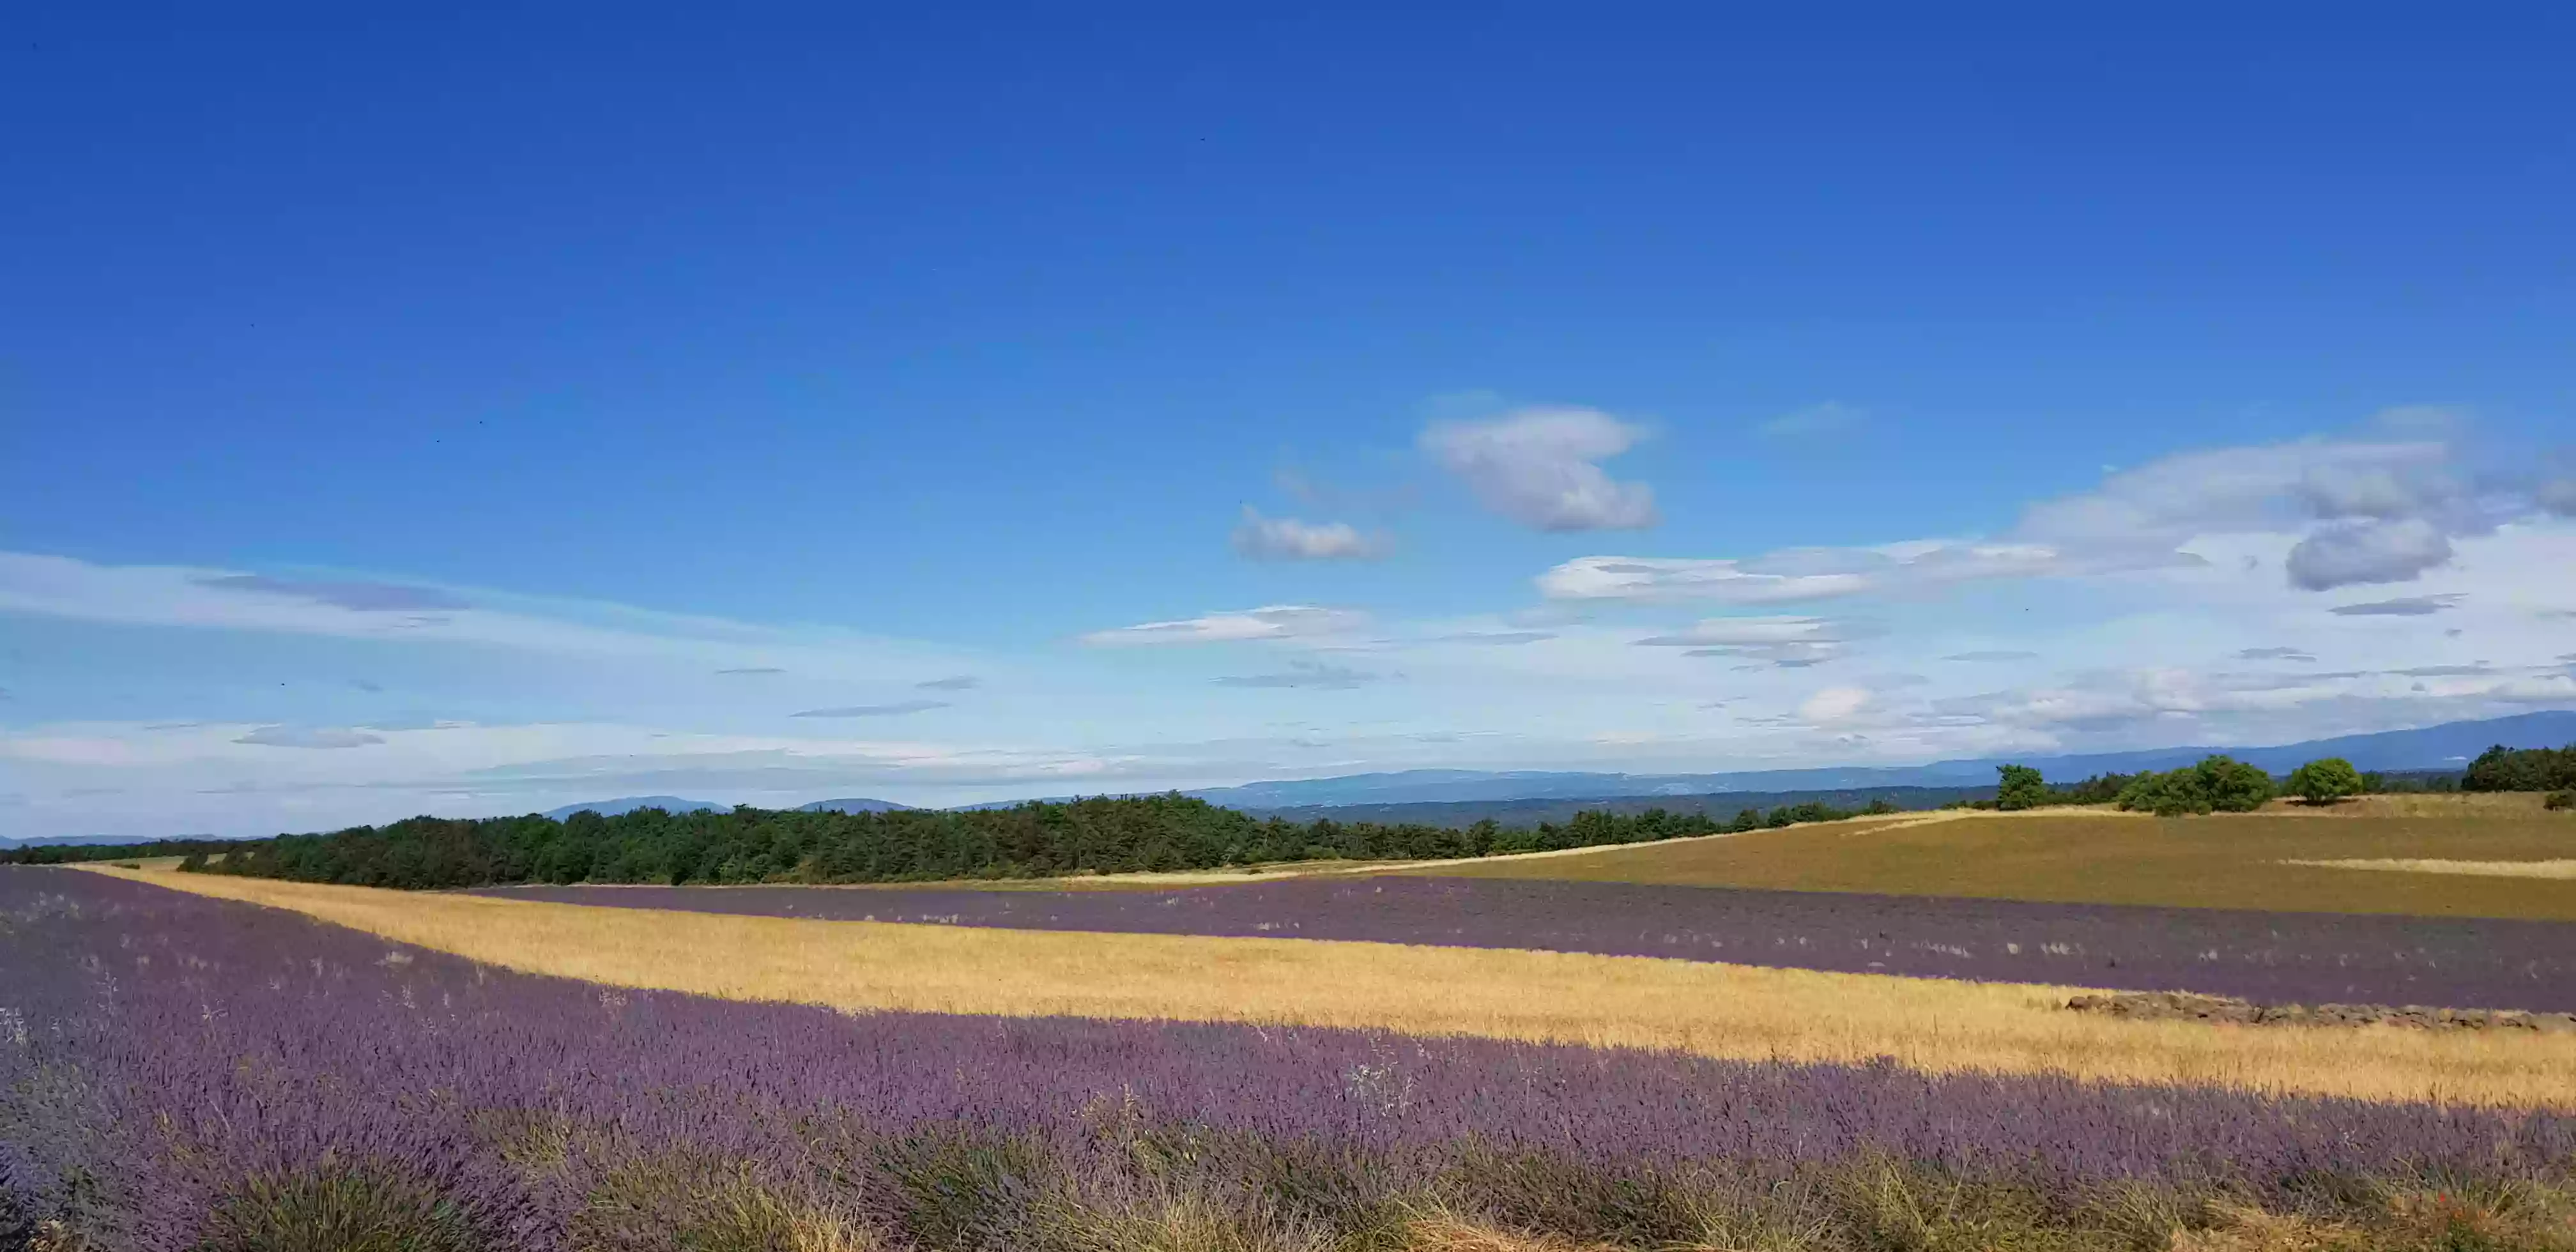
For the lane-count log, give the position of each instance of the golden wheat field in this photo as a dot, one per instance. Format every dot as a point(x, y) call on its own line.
point(1716, 1010)
point(2285, 857)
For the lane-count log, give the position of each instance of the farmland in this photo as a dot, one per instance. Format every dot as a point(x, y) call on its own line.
point(2248, 861)
point(1689, 1044)
point(1717, 1010)
point(184, 1071)
point(2265, 956)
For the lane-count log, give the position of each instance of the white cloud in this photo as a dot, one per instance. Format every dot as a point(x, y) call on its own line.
point(1727, 631)
point(1667, 579)
point(1536, 467)
point(187, 597)
point(1834, 704)
point(2559, 496)
point(1277, 621)
point(1288, 539)
point(2355, 512)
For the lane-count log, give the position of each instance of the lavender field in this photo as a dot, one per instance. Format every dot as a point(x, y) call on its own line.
point(178, 1072)
point(2304, 958)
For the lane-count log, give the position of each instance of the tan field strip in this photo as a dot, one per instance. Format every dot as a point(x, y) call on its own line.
point(1729, 1011)
point(2435, 865)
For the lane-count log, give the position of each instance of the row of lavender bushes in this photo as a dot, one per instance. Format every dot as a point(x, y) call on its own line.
point(183, 1073)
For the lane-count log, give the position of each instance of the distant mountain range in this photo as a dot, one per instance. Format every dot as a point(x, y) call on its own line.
point(92, 840)
point(2448, 746)
point(1529, 796)
point(675, 804)
point(628, 804)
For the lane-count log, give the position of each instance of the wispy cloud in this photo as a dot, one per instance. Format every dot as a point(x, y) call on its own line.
point(1992, 655)
point(1288, 539)
point(1315, 674)
point(291, 737)
point(1495, 638)
point(2405, 606)
point(745, 671)
point(2273, 654)
point(1786, 642)
point(357, 597)
point(1277, 621)
point(1829, 418)
point(954, 682)
point(897, 709)
point(1537, 467)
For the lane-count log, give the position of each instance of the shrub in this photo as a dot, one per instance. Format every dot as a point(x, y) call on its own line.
point(2560, 800)
point(2325, 781)
point(2217, 784)
point(2021, 787)
point(339, 1208)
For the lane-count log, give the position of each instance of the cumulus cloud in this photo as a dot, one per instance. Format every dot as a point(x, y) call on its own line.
point(2273, 654)
point(2407, 606)
point(1536, 467)
point(2350, 553)
point(2363, 511)
point(896, 709)
point(1277, 621)
point(956, 682)
point(292, 737)
point(1288, 539)
point(358, 597)
point(1313, 674)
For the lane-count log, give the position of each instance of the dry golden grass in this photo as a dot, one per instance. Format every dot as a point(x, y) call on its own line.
point(1715, 1010)
point(2479, 869)
point(2266, 860)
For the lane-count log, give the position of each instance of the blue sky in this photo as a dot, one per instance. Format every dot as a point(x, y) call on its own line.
point(471, 414)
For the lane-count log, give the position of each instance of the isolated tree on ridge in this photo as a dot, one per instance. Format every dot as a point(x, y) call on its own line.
point(2021, 787)
point(2325, 781)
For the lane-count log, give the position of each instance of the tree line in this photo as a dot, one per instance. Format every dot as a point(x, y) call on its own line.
point(1039, 839)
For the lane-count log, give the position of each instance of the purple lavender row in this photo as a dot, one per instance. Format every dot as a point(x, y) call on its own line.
point(162, 1054)
point(2274, 958)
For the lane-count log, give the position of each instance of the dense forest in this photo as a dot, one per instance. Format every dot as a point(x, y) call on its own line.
point(74, 853)
point(1038, 839)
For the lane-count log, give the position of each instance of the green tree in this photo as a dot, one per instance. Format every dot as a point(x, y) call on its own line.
point(2234, 786)
point(2326, 781)
point(2020, 787)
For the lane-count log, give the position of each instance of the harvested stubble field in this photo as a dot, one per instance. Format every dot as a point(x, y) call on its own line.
point(1711, 1009)
point(2305, 958)
point(179, 1072)
point(2237, 861)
